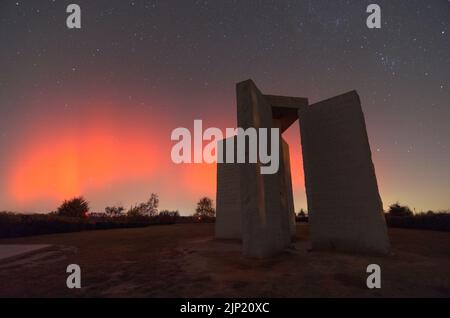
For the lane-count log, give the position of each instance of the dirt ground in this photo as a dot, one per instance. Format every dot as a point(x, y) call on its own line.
point(185, 261)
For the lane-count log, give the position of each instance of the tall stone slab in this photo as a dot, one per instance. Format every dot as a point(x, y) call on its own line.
point(344, 205)
point(265, 227)
point(228, 197)
point(228, 201)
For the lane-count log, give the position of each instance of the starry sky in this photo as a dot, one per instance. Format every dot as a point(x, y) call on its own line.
point(90, 111)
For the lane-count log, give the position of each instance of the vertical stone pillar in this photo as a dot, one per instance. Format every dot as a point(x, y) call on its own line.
point(265, 227)
point(345, 208)
point(228, 198)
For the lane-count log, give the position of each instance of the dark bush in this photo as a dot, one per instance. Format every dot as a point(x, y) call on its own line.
point(302, 219)
point(205, 209)
point(114, 211)
point(149, 208)
point(167, 217)
point(302, 216)
point(398, 210)
point(422, 221)
point(16, 225)
point(76, 207)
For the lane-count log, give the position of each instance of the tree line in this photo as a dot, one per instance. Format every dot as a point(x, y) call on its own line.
point(79, 207)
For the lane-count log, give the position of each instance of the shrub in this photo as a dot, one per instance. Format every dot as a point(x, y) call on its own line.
point(16, 225)
point(423, 221)
point(397, 210)
point(149, 208)
point(205, 209)
point(302, 216)
point(114, 211)
point(76, 207)
point(167, 217)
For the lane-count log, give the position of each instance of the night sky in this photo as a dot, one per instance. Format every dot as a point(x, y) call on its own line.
point(90, 111)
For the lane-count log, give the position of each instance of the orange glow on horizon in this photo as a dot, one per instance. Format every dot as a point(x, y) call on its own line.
point(70, 165)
